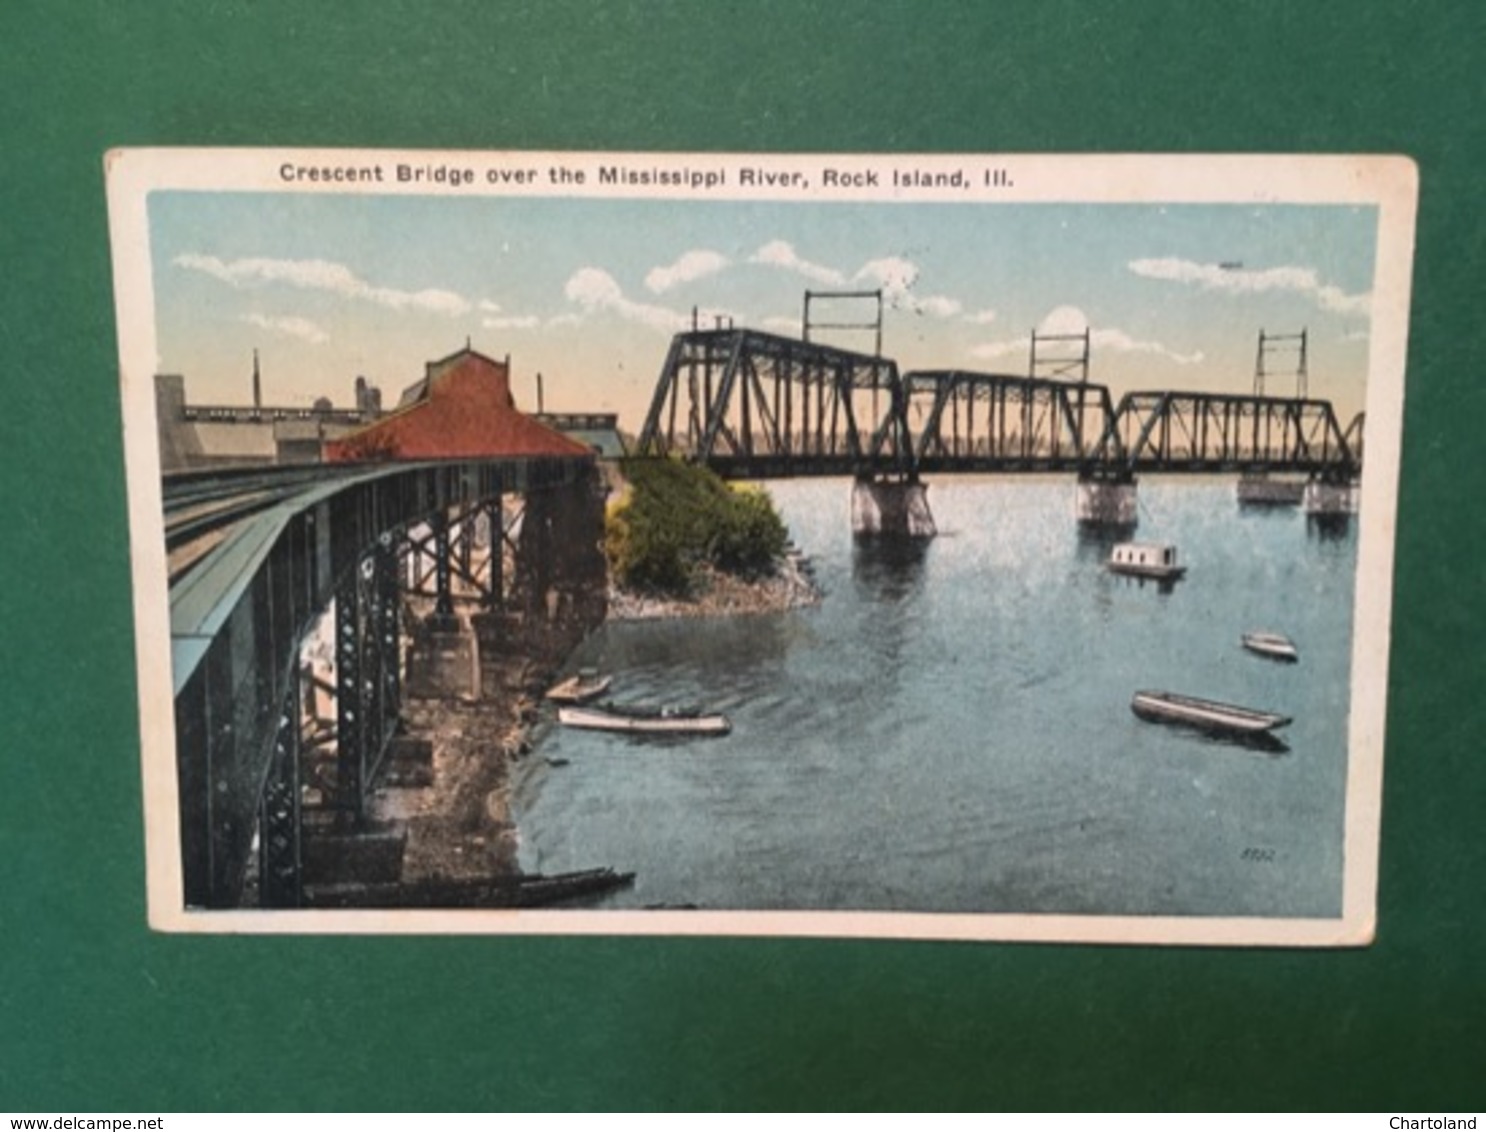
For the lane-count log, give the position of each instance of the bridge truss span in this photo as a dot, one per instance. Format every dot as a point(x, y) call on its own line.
point(1215, 432)
point(987, 422)
point(752, 404)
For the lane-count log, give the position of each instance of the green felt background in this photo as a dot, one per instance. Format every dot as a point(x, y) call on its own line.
point(97, 1013)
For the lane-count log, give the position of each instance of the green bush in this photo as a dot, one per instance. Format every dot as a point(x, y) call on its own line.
point(676, 517)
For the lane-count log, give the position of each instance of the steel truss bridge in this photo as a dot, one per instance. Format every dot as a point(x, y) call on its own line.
point(257, 557)
point(754, 405)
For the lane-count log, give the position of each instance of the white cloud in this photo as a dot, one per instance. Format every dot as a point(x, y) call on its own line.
point(594, 289)
point(511, 322)
point(895, 277)
point(938, 306)
point(1335, 299)
point(1071, 320)
point(321, 275)
point(893, 274)
point(982, 318)
point(1063, 320)
point(1122, 343)
point(779, 253)
point(294, 327)
point(1002, 348)
point(689, 266)
point(783, 324)
point(1240, 281)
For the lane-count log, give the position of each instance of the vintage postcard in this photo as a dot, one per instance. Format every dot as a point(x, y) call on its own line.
point(983, 547)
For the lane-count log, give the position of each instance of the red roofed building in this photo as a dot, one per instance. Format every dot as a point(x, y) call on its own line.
point(462, 408)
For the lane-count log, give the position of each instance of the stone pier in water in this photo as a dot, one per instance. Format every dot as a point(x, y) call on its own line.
point(1325, 497)
point(1107, 502)
point(891, 509)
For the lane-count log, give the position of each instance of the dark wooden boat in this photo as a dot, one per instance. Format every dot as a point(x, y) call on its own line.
point(645, 720)
point(1205, 715)
point(579, 689)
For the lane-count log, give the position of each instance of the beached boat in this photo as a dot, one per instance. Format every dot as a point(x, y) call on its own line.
point(580, 689)
point(1145, 560)
point(645, 721)
point(1276, 646)
point(1205, 715)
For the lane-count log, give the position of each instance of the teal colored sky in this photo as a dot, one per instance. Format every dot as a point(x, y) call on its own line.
point(588, 291)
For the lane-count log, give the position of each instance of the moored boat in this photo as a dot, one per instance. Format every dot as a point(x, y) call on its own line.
point(645, 721)
point(1276, 646)
point(579, 689)
point(1206, 715)
point(1145, 560)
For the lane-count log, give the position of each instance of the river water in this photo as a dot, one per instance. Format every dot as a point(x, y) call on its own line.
point(950, 729)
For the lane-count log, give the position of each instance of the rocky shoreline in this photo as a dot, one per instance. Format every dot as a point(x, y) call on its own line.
point(792, 585)
point(461, 842)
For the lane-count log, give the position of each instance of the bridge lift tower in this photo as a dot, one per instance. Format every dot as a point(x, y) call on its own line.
point(1281, 347)
point(874, 325)
point(1276, 356)
point(1105, 498)
point(1069, 358)
point(880, 505)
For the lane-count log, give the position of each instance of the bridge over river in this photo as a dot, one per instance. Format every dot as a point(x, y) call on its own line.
point(754, 405)
point(257, 558)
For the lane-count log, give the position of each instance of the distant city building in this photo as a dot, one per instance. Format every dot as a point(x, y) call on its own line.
point(217, 436)
point(461, 407)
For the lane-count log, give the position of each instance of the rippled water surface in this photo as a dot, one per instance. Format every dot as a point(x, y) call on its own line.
point(950, 730)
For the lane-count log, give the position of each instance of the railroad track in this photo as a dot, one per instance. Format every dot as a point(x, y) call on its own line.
point(201, 508)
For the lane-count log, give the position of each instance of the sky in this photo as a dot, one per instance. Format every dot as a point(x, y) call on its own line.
point(588, 292)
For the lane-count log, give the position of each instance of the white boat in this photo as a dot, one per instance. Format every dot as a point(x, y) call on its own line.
point(1145, 560)
point(579, 689)
point(645, 721)
point(1276, 646)
point(1205, 715)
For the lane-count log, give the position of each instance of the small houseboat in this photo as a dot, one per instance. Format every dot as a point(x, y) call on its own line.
point(1276, 646)
point(1145, 560)
point(1205, 715)
point(645, 721)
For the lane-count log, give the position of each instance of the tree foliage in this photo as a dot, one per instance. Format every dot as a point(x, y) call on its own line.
point(676, 517)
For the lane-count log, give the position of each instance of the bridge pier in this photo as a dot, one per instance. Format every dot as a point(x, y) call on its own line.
point(1108, 502)
point(891, 509)
point(1330, 497)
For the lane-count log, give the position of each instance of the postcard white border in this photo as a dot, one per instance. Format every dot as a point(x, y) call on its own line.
point(1388, 182)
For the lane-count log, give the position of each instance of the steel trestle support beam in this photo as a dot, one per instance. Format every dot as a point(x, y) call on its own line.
point(238, 620)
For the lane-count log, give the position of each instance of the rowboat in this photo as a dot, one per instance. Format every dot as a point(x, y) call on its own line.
point(645, 721)
point(1276, 646)
point(579, 689)
point(1205, 715)
point(1145, 560)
